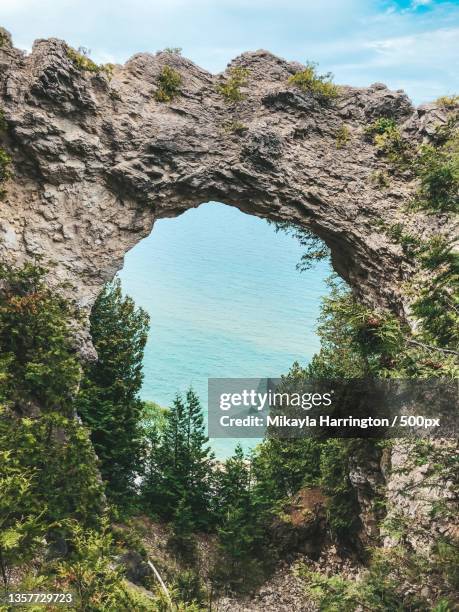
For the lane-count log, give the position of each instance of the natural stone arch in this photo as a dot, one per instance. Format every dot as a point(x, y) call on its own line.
point(97, 159)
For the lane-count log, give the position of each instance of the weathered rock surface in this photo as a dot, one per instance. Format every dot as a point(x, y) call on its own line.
point(97, 160)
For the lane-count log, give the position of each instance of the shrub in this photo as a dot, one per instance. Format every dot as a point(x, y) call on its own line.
point(231, 89)
point(386, 136)
point(408, 242)
point(168, 82)
point(319, 85)
point(448, 102)
point(379, 179)
point(5, 164)
point(41, 364)
point(381, 588)
point(438, 170)
point(342, 505)
point(91, 574)
point(189, 588)
point(82, 61)
point(343, 137)
point(173, 50)
point(2, 121)
point(21, 530)
point(3, 39)
point(315, 249)
point(235, 127)
point(380, 126)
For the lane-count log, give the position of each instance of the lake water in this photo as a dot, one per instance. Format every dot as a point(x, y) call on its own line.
point(225, 300)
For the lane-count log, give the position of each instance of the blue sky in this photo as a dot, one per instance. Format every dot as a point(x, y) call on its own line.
point(408, 44)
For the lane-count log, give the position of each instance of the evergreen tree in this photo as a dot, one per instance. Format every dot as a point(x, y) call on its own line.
point(108, 401)
point(232, 484)
point(241, 522)
point(183, 527)
point(180, 464)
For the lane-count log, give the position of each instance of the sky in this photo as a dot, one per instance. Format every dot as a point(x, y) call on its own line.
point(407, 44)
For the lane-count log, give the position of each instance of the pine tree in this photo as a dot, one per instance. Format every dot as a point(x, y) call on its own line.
point(183, 527)
point(240, 526)
point(180, 464)
point(232, 484)
point(108, 401)
point(198, 461)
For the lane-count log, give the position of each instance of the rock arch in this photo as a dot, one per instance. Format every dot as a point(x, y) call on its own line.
point(97, 159)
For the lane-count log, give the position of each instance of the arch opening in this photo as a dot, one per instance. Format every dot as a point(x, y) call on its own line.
point(225, 300)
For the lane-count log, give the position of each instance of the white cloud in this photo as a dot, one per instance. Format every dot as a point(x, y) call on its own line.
point(418, 3)
point(423, 49)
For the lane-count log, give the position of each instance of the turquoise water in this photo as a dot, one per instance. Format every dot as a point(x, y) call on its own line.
point(225, 300)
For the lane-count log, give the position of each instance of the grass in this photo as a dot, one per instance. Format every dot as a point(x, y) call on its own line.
point(320, 86)
point(168, 82)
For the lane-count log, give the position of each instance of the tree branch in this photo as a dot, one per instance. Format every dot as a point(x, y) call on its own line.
point(433, 348)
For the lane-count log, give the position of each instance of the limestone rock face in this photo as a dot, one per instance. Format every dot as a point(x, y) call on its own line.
point(97, 159)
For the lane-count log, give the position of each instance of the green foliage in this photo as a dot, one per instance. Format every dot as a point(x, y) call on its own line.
point(231, 88)
point(315, 249)
point(357, 342)
point(3, 39)
point(243, 511)
point(2, 121)
point(56, 454)
point(436, 294)
point(38, 362)
point(394, 147)
point(178, 465)
point(342, 505)
point(380, 179)
point(169, 84)
point(81, 60)
point(183, 526)
point(448, 102)
point(21, 531)
point(5, 165)
point(381, 126)
point(437, 167)
point(343, 137)
point(189, 589)
point(91, 574)
point(409, 243)
point(282, 467)
point(321, 86)
point(387, 138)
point(380, 588)
point(173, 50)
point(108, 401)
point(48, 471)
point(437, 304)
point(235, 127)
